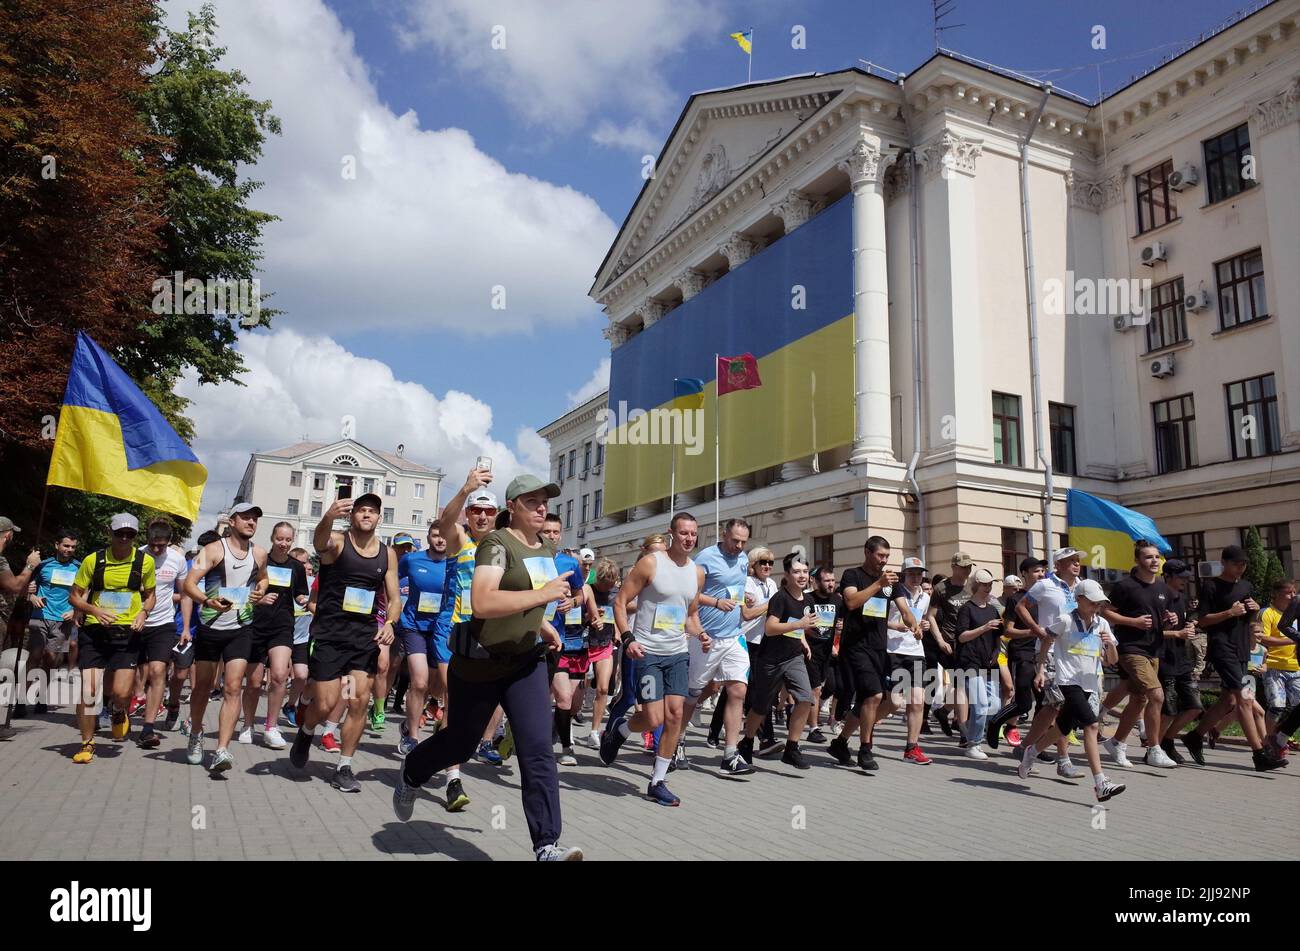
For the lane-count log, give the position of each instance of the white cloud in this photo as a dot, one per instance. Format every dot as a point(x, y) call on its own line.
point(430, 224)
point(299, 386)
point(565, 59)
point(598, 383)
point(634, 136)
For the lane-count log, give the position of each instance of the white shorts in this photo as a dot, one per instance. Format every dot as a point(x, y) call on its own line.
point(724, 660)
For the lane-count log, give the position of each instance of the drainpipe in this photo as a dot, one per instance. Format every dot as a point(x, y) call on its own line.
point(1031, 298)
point(916, 327)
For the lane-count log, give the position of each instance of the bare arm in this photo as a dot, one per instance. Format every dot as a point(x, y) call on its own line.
point(642, 573)
point(491, 602)
point(209, 557)
point(327, 542)
point(448, 521)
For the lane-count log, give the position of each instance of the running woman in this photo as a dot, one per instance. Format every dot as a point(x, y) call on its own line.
point(345, 638)
point(601, 642)
point(498, 661)
point(301, 637)
point(979, 623)
point(666, 587)
point(271, 636)
point(158, 639)
point(231, 572)
point(425, 643)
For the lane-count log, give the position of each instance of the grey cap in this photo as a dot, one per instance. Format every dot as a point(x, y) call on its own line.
point(246, 508)
point(7, 525)
point(124, 520)
point(1090, 589)
point(483, 499)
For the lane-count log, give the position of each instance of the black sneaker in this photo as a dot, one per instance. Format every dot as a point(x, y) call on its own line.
point(301, 749)
point(866, 760)
point(456, 798)
point(612, 740)
point(767, 748)
point(1264, 762)
point(1195, 746)
point(173, 714)
point(925, 727)
point(792, 757)
point(1172, 751)
point(735, 765)
point(712, 741)
point(839, 750)
point(1046, 757)
point(344, 780)
point(745, 749)
point(991, 735)
point(816, 736)
point(944, 724)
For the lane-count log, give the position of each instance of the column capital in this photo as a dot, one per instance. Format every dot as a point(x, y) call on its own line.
point(866, 162)
point(689, 281)
point(737, 250)
point(651, 310)
point(796, 208)
point(949, 155)
point(1278, 110)
point(616, 334)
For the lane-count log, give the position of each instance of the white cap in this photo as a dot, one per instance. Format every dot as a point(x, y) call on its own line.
point(981, 576)
point(124, 520)
point(913, 564)
point(587, 555)
point(481, 498)
point(1061, 554)
point(1012, 580)
point(1090, 589)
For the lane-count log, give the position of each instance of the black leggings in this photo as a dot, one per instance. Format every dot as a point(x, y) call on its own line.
point(1022, 676)
point(525, 694)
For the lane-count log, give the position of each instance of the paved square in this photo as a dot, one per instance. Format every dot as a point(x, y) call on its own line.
point(137, 804)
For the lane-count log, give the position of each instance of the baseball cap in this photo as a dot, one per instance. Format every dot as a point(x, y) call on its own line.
point(483, 499)
point(1064, 554)
point(522, 485)
point(981, 576)
point(587, 555)
point(913, 564)
point(1234, 553)
point(1012, 579)
point(368, 498)
point(246, 508)
point(1177, 568)
point(962, 560)
point(402, 538)
point(1090, 589)
point(7, 525)
point(124, 520)
point(1030, 563)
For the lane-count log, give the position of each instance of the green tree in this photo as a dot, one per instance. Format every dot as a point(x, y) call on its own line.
point(1263, 568)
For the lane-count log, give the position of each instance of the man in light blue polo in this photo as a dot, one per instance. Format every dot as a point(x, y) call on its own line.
point(722, 570)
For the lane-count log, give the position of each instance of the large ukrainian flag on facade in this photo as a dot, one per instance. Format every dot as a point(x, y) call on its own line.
point(112, 440)
point(791, 306)
point(1106, 530)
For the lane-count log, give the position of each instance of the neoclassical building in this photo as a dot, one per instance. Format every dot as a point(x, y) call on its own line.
point(1184, 403)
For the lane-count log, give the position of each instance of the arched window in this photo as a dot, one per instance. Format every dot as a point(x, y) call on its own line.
point(346, 460)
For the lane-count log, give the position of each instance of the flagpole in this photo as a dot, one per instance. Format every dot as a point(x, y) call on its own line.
point(672, 482)
point(717, 479)
point(750, 77)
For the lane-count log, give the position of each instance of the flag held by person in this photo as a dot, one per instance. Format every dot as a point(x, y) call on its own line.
point(1098, 527)
point(738, 373)
point(112, 440)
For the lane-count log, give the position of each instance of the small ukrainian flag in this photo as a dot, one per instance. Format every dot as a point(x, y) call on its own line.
point(744, 41)
point(688, 393)
point(1100, 528)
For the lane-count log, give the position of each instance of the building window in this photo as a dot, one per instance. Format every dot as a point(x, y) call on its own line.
point(600, 453)
point(1168, 324)
point(1175, 421)
point(596, 504)
point(1277, 539)
point(1224, 159)
point(388, 516)
point(1015, 549)
point(559, 469)
point(1252, 417)
point(573, 462)
point(315, 510)
point(295, 478)
point(1155, 203)
point(417, 517)
point(1006, 429)
point(390, 489)
point(345, 461)
point(586, 457)
point(419, 490)
point(1241, 289)
point(823, 547)
point(318, 481)
point(586, 500)
point(1061, 419)
point(568, 512)
point(292, 507)
point(369, 485)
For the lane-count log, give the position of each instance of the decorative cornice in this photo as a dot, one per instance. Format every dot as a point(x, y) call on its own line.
point(1278, 110)
point(949, 154)
point(689, 281)
point(866, 162)
point(737, 250)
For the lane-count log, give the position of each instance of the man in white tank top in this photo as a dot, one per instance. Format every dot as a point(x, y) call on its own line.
point(665, 586)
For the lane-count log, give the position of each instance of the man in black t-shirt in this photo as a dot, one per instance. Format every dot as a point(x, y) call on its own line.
point(1226, 611)
point(946, 599)
point(864, 655)
point(829, 606)
point(1022, 657)
point(1182, 697)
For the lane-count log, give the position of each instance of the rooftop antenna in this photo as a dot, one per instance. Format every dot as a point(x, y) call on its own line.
point(943, 8)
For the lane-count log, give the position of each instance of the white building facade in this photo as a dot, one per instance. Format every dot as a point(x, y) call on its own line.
point(577, 466)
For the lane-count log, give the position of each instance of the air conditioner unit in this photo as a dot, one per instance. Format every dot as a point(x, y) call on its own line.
point(583, 475)
point(1156, 251)
point(1163, 366)
point(595, 470)
point(582, 533)
point(1197, 300)
point(1124, 322)
point(1185, 177)
point(1209, 569)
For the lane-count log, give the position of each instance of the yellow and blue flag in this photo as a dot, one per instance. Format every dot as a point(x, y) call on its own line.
point(112, 440)
point(688, 393)
point(745, 41)
point(1105, 530)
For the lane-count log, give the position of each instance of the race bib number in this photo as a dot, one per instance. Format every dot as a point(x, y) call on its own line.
point(607, 614)
point(540, 571)
point(63, 577)
point(795, 620)
point(119, 602)
point(736, 593)
point(238, 597)
point(825, 616)
point(573, 616)
point(358, 600)
point(430, 603)
point(875, 607)
point(670, 618)
point(279, 577)
point(299, 610)
point(1089, 646)
point(466, 607)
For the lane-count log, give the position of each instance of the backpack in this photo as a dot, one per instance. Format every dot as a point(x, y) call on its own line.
point(133, 582)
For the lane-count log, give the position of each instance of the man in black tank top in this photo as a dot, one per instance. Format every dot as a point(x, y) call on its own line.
point(345, 638)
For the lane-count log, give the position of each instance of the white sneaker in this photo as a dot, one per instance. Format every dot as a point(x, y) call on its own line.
point(1155, 756)
point(593, 740)
point(567, 758)
point(274, 739)
point(247, 735)
point(1142, 730)
point(1118, 753)
point(1027, 766)
point(974, 752)
point(1067, 770)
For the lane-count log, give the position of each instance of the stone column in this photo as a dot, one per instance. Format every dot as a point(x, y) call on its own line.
point(738, 485)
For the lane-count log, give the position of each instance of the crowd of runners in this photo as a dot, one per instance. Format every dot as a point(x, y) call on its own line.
point(491, 641)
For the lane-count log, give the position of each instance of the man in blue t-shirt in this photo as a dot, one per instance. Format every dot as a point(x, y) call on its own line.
point(422, 577)
point(50, 630)
point(722, 570)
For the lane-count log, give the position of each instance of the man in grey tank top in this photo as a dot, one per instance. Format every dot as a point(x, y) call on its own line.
point(665, 586)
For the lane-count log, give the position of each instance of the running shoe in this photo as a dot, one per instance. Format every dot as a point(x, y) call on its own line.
point(1074, 739)
point(593, 740)
point(222, 762)
point(1212, 738)
point(579, 719)
point(121, 725)
point(134, 706)
point(406, 744)
point(404, 797)
point(290, 715)
point(1046, 756)
point(173, 714)
point(216, 694)
point(816, 736)
point(507, 745)
point(485, 754)
point(866, 760)
point(377, 718)
point(992, 733)
point(1108, 790)
point(1012, 737)
point(329, 744)
point(839, 750)
point(301, 749)
point(150, 740)
point(185, 727)
point(1067, 770)
point(559, 853)
point(745, 749)
point(567, 758)
point(914, 754)
point(1274, 748)
point(944, 723)
point(246, 735)
point(792, 756)
point(1117, 752)
point(1293, 746)
point(105, 717)
point(274, 739)
point(648, 741)
point(456, 798)
point(1026, 767)
point(194, 750)
point(86, 753)
point(680, 760)
point(712, 741)
point(1155, 756)
point(1172, 751)
point(659, 792)
point(974, 752)
point(770, 747)
point(345, 780)
point(612, 740)
point(1264, 762)
point(735, 765)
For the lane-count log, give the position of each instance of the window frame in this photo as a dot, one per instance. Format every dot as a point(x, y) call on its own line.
point(1235, 280)
point(1185, 424)
point(1171, 310)
point(1054, 434)
point(1000, 428)
point(1146, 186)
point(1011, 557)
point(291, 506)
point(1271, 423)
point(1214, 166)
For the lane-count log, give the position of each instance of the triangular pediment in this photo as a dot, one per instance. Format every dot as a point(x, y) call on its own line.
point(345, 448)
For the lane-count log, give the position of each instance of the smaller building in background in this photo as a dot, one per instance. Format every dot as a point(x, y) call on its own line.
point(577, 463)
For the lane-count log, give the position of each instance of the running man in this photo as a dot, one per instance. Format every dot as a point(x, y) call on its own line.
point(345, 638)
point(829, 606)
point(1182, 695)
point(1022, 658)
point(666, 587)
point(271, 636)
point(158, 640)
point(50, 630)
point(231, 572)
point(601, 642)
point(425, 643)
point(302, 616)
point(114, 589)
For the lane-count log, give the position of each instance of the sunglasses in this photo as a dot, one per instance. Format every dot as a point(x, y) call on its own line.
point(765, 562)
point(481, 510)
point(124, 533)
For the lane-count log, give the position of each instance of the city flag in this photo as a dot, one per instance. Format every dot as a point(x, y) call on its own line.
point(1105, 532)
point(737, 373)
point(743, 40)
point(112, 440)
point(688, 393)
